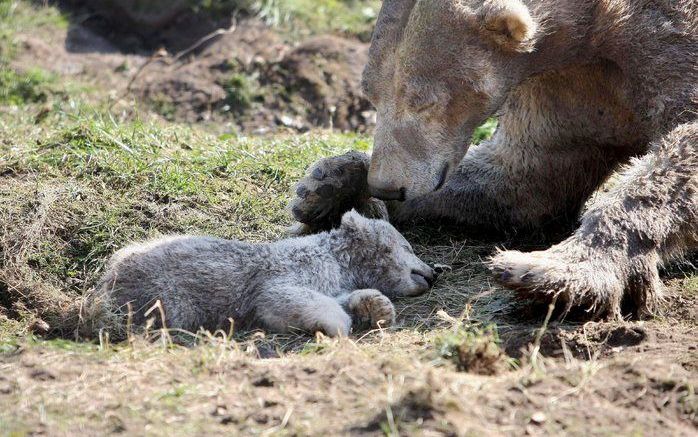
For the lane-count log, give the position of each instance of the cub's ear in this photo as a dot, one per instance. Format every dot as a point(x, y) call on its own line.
point(353, 220)
point(510, 23)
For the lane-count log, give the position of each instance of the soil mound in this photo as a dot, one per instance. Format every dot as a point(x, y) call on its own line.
point(188, 67)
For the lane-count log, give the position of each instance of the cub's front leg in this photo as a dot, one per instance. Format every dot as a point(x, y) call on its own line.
point(285, 308)
point(372, 306)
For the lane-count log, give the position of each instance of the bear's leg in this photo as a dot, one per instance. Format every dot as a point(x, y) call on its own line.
point(651, 216)
point(371, 305)
point(284, 308)
point(500, 184)
point(503, 185)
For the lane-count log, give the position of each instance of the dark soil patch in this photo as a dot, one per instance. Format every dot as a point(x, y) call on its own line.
point(138, 26)
point(7, 302)
point(322, 75)
point(244, 76)
point(261, 84)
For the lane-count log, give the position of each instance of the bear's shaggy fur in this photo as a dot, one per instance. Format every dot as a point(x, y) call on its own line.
point(312, 283)
point(584, 90)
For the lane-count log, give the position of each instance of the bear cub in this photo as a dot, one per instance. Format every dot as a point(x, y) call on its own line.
point(315, 283)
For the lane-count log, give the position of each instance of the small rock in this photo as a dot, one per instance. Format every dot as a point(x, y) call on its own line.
point(221, 410)
point(291, 122)
point(538, 418)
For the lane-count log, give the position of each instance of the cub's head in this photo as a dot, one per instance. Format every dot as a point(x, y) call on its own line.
point(380, 257)
point(436, 71)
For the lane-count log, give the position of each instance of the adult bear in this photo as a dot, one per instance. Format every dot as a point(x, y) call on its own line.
point(580, 88)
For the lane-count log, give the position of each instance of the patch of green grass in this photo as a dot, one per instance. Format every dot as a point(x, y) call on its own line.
point(27, 15)
point(17, 16)
point(59, 344)
point(485, 131)
point(351, 17)
point(690, 285)
point(34, 86)
point(9, 335)
point(164, 106)
point(171, 396)
point(346, 16)
point(171, 160)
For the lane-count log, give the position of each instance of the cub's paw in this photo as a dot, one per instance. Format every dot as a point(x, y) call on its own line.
point(332, 324)
point(575, 277)
point(372, 306)
point(332, 187)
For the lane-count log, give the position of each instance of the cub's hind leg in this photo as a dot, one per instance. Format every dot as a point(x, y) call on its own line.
point(284, 309)
point(371, 306)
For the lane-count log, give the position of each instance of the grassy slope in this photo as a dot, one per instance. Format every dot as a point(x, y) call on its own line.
point(77, 182)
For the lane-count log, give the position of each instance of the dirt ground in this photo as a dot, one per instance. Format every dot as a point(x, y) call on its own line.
point(245, 76)
point(466, 358)
point(640, 380)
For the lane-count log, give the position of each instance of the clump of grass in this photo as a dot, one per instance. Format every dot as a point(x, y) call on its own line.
point(33, 86)
point(24, 16)
point(240, 91)
point(691, 286)
point(345, 16)
point(473, 348)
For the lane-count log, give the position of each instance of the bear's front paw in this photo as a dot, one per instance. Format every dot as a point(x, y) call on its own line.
point(332, 187)
point(373, 306)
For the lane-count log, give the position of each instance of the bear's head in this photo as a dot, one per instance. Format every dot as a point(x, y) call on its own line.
point(379, 257)
point(436, 71)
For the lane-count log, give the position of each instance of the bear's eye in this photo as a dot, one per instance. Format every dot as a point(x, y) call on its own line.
point(421, 104)
point(408, 248)
point(426, 107)
point(369, 91)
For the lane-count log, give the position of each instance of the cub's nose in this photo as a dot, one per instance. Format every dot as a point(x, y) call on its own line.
point(430, 276)
point(387, 193)
point(425, 276)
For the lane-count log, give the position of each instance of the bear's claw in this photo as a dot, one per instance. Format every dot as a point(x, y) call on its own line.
point(574, 279)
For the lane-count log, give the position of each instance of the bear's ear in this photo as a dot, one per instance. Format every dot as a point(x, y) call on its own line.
point(510, 23)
